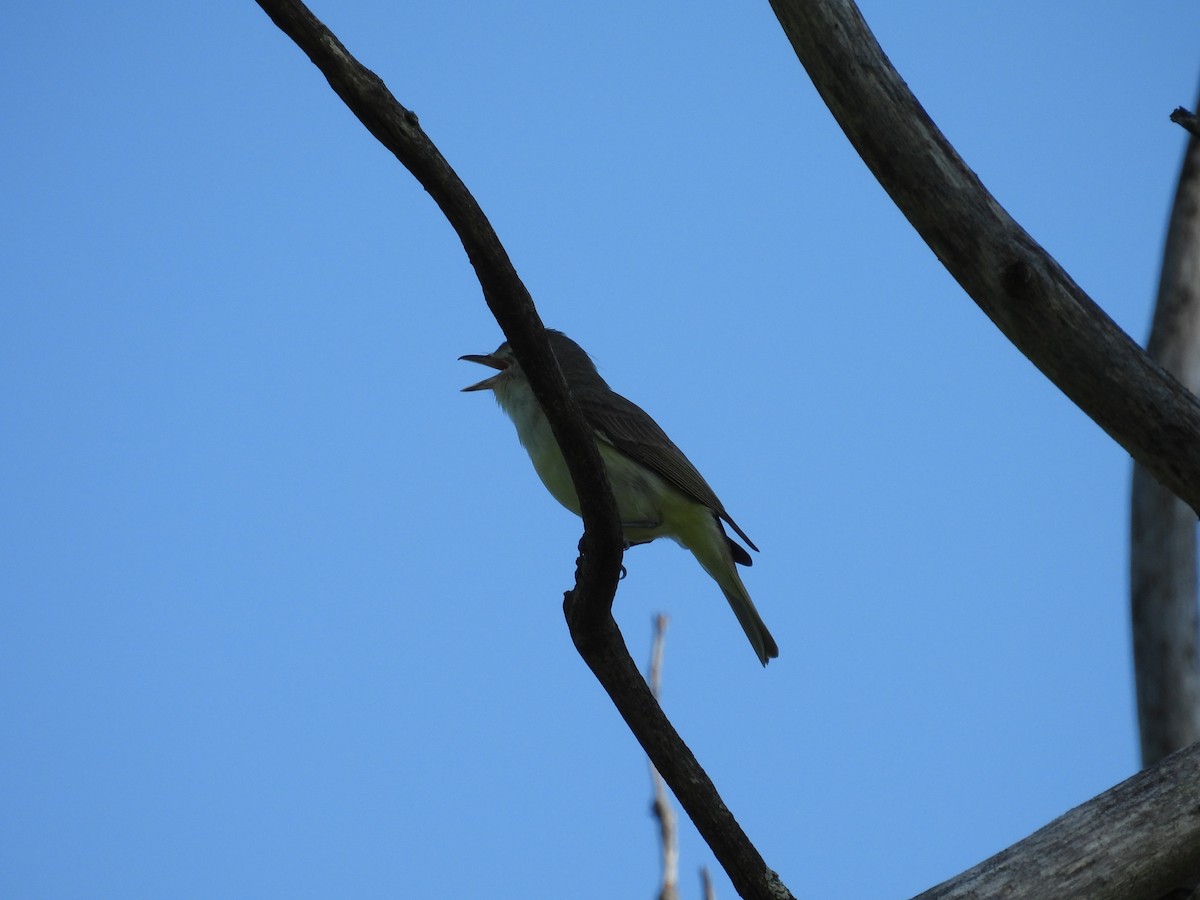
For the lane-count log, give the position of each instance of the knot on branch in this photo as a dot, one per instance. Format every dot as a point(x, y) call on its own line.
point(1187, 119)
point(1018, 279)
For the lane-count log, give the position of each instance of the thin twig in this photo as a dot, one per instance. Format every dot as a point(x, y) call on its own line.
point(664, 812)
point(1187, 119)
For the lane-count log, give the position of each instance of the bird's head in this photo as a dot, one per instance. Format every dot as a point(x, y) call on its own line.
point(502, 358)
point(576, 365)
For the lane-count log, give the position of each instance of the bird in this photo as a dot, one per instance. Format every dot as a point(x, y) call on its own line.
point(659, 493)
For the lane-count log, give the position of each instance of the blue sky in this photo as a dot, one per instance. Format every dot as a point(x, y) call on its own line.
point(282, 608)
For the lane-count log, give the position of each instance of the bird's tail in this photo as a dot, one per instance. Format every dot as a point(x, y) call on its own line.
point(717, 560)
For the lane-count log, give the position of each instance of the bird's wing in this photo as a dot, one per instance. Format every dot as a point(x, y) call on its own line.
point(630, 429)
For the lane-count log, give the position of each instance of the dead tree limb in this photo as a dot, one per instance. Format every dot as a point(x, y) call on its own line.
point(1148, 828)
point(1186, 119)
point(1045, 314)
point(1134, 842)
point(1162, 559)
point(588, 606)
point(664, 813)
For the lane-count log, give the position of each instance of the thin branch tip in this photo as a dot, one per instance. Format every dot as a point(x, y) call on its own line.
point(1186, 119)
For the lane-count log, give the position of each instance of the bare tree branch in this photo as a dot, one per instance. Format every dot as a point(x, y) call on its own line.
point(1162, 559)
point(1133, 842)
point(751, 877)
point(1143, 837)
point(398, 130)
point(588, 606)
point(664, 813)
point(1187, 119)
point(1012, 279)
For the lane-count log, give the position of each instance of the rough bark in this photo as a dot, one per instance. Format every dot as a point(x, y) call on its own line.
point(1012, 279)
point(1163, 528)
point(1133, 842)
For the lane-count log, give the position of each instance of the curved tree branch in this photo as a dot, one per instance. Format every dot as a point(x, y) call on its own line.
point(398, 130)
point(1148, 828)
point(588, 606)
point(1141, 838)
point(1133, 842)
point(1013, 280)
point(1162, 559)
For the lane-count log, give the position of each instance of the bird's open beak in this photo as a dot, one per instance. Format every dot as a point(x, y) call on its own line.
point(492, 362)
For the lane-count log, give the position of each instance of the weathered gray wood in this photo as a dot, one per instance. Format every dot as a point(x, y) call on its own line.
point(1013, 280)
point(1162, 559)
point(1134, 842)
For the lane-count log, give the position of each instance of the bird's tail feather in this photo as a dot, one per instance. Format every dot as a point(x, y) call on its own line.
point(717, 561)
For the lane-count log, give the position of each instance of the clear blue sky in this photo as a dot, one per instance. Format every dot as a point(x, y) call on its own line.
point(281, 607)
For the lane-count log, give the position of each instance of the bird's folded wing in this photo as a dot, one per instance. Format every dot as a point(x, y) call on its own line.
point(630, 429)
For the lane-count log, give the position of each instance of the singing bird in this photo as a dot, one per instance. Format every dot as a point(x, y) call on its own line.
point(658, 491)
